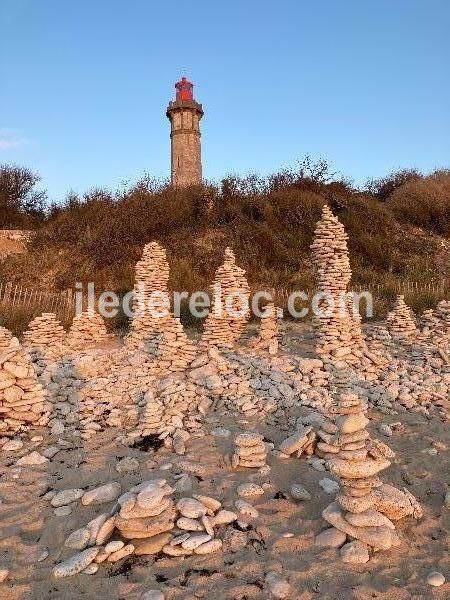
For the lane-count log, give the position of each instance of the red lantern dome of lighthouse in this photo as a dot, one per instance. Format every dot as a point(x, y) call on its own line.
point(184, 89)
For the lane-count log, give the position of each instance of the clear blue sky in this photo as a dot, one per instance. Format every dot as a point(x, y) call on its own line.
point(84, 85)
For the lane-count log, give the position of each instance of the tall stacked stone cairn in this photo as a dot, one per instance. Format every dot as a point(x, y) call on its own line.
point(146, 520)
point(360, 506)
point(269, 332)
point(151, 277)
point(87, 330)
point(400, 321)
point(250, 451)
point(339, 335)
point(22, 398)
point(223, 329)
point(45, 338)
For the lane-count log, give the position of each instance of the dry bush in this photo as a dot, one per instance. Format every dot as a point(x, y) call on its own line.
point(424, 203)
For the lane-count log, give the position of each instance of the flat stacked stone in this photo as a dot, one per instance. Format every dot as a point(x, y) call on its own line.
point(222, 328)
point(5, 337)
point(146, 511)
point(175, 351)
point(269, 332)
point(45, 337)
point(400, 321)
point(339, 335)
point(250, 451)
point(150, 287)
point(356, 461)
point(302, 441)
point(87, 330)
point(22, 398)
point(148, 521)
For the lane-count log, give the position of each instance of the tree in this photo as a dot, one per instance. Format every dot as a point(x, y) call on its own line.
point(21, 204)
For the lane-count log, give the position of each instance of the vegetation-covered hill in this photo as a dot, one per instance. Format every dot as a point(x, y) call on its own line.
point(399, 229)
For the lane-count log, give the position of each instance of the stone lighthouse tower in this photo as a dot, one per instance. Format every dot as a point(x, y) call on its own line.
point(184, 114)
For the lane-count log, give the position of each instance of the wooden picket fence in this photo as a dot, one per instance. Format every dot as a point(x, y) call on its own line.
point(411, 289)
point(16, 296)
point(63, 303)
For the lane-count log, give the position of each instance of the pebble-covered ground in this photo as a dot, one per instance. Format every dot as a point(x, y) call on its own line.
point(270, 556)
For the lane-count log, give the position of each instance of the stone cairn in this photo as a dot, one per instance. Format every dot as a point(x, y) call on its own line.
point(5, 338)
point(339, 335)
point(22, 399)
point(223, 329)
point(250, 451)
point(441, 332)
point(114, 383)
point(443, 315)
point(400, 321)
point(173, 411)
point(269, 332)
point(175, 351)
point(87, 329)
point(152, 419)
point(151, 277)
point(45, 337)
point(356, 461)
point(428, 322)
point(434, 328)
point(146, 521)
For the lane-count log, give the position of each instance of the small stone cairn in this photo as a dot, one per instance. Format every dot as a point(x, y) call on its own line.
point(5, 338)
point(356, 461)
point(22, 398)
point(269, 332)
point(45, 337)
point(87, 330)
point(400, 321)
point(151, 281)
point(223, 329)
point(114, 383)
point(145, 521)
point(441, 332)
point(302, 441)
point(443, 315)
point(428, 322)
point(175, 351)
point(250, 451)
point(173, 411)
point(151, 421)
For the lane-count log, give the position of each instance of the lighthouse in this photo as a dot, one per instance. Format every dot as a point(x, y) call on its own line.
point(184, 114)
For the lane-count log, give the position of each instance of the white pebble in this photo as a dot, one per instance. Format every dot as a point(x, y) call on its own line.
point(435, 579)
